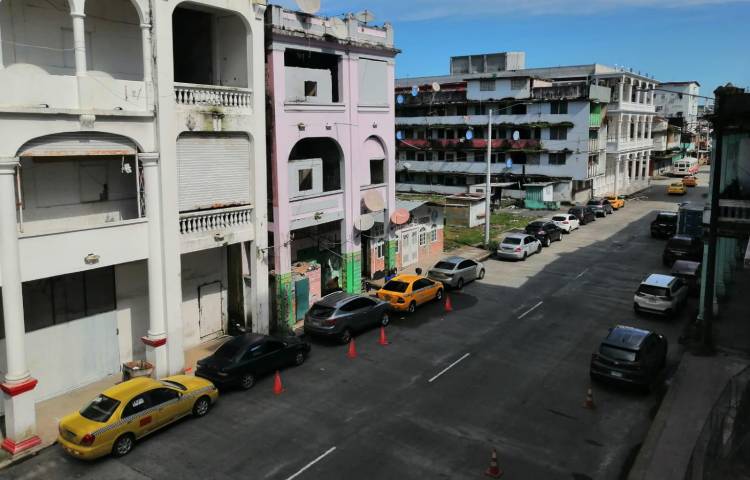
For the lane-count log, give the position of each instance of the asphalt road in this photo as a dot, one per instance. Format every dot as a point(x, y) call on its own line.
point(507, 369)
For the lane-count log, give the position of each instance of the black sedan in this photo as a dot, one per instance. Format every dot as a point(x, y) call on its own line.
point(339, 315)
point(545, 231)
point(243, 359)
point(631, 356)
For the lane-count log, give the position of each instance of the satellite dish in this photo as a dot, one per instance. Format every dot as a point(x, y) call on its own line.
point(509, 163)
point(364, 16)
point(399, 135)
point(516, 135)
point(400, 216)
point(337, 27)
point(414, 91)
point(373, 201)
point(364, 222)
point(400, 99)
point(469, 134)
point(309, 6)
point(435, 87)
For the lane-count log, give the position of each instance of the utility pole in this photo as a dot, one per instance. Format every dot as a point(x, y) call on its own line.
point(488, 186)
point(710, 286)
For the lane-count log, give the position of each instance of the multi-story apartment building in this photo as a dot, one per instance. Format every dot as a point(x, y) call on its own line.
point(132, 188)
point(679, 100)
point(585, 128)
point(330, 153)
point(666, 149)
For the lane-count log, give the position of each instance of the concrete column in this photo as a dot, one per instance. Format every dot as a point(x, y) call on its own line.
point(148, 59)
point(79, 42)
point(18, 399)
point(156, 339)
point(1, 46)
point(632, 169)
point(638, 92)
point(650, 127)
point(621, 88)
point(646, 171)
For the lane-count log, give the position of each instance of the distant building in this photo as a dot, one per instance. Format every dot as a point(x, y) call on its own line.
point(679, 100)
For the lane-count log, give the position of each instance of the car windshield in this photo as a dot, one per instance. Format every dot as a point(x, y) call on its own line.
point(227, 351)
point(443, 265)
point(321, 311)
point(677, 185)
point(559, 218)
point(618, 353)
point(535, 225)
point(666, 218)
point(173, 384)
point(396, 286)
point(100, 409)
point(653, 290)
point(680, 243)
point(512, 241)
point(593, 202)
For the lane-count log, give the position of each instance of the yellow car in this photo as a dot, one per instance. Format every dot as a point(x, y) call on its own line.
point(690, 181)
point(122, 414)
point(406, 292)
point(616, 202)
point(676, 189)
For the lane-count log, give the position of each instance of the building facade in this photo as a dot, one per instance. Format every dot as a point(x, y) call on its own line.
point(133, 221)
point(330, 153)
point(679, 100)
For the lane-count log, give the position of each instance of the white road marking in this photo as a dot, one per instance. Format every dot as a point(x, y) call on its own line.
point(529, 310)
point(327, 452)
point(582, 274)
point(448, 368)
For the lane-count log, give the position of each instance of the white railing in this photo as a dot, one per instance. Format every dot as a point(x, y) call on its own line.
point(210, 220)
point(212, 95)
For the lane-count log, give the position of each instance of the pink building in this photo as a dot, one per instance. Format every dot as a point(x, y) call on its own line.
point(331, 147)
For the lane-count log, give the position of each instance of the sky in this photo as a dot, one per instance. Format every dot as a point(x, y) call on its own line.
point(672, 40)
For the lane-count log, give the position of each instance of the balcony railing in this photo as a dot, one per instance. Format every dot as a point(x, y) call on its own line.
point(213, 96)
point(593, 145)
point(211, 220)
point(474, 144)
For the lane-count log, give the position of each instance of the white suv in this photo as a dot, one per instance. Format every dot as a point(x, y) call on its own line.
point(567, 222)
point(661, 294)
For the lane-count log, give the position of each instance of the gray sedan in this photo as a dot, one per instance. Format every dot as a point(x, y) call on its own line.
point(340, 314)
point(456, 271)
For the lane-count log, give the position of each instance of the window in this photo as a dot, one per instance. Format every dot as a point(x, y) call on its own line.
point(450, 134)
point(450, 156)
point(397, 244)
point(557, 158)
point(440, 155)
point(558, 133)
point(100, 409)
point(519, 109)
point(311, 88)
point(305, 179)
point(517, 83)
point(487, 85)
point(460, 156)
point(433, 235)
point(422, 239)
point(137, 405)
point(380, 249)
point(421, 156)
point(480, 157)
point(559, 108)
point(410, 155)
point(422, 283)
point(377, 171)
point(377, 230)
point(163, 395)
point(357, 304)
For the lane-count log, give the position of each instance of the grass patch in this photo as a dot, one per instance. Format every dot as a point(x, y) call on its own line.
point(501, 222)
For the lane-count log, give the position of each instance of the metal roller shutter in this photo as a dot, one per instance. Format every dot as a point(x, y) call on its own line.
point(222, 158)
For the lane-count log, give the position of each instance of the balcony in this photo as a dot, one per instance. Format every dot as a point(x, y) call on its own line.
point(529, 145)
point(544, 120)
point(615, 145)
point(213, 96)
point(734, 218)
point(212, 228)
point(593, 145)
point(317, 210)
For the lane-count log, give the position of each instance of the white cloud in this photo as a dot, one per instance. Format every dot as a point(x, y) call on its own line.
point(416, 10)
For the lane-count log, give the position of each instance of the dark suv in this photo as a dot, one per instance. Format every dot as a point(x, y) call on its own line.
point(583, 214)
point(683, 247)
point(545, 231)
point(630, 355)
point(339, 315)
point(600, 206)
point(664, 225)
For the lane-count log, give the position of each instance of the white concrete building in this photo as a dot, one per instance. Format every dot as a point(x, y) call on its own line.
point(679, 100)
point(133, 215)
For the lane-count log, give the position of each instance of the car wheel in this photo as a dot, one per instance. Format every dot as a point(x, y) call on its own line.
point(439, 294)
point(201, 406)
point(299, 359)
point(539, 248)
point(123, 445)
point(525, 256)
point(547, 242)
point(636, 309)
point(481, 274)
point(559, 239)
point(385, 320)
point(412, 307)
point(247, 381)
point(460, 283)
point(345, 336)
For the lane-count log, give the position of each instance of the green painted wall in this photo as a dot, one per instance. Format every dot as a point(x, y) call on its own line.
point(352, 272)
point(285, 300)
point(391, 255)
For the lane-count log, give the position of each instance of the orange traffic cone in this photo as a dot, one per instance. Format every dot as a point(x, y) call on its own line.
point(494, 470)
point(589, 402)
point(448, 304)
point(277, 387)
point(352, 353)
point(383, 340)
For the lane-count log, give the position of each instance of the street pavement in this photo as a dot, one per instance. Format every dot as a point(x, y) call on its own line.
point(506, 369)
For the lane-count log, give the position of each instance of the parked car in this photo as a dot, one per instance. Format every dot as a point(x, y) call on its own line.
point(682, 247)
point(456, 271)
point(676, 188)
point(600, 206)
point(690, 273)
point(407, 292)
point(241, 360)
point(664, 225)
point(690, 181)
point(630, 355)
point(545, 231)
point(518, 246)
point(340, 314)
point(661, 294)
point(113, 421)
point(567, 222)
point(584, 214)
point(616, 201)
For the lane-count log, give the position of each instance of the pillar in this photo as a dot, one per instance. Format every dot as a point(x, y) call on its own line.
point(147, 59)
point(79, 42)
point(651, 127)
point(618, 163)
point(156, 338)
point(638, 93)
point(18, 399)
point(620, 86)
point(632, 168)
point(1, 47)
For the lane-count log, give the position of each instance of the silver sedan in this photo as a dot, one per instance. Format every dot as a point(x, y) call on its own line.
point(456, 271)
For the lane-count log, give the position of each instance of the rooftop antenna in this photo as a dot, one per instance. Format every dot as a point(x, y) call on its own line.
point(310, 7)
point(365, 16)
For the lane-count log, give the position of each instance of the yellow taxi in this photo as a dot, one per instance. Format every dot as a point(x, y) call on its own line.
point(690, 181)
point(616, 202)
point(406, 292)
point(676, 189)
point(116, 418)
